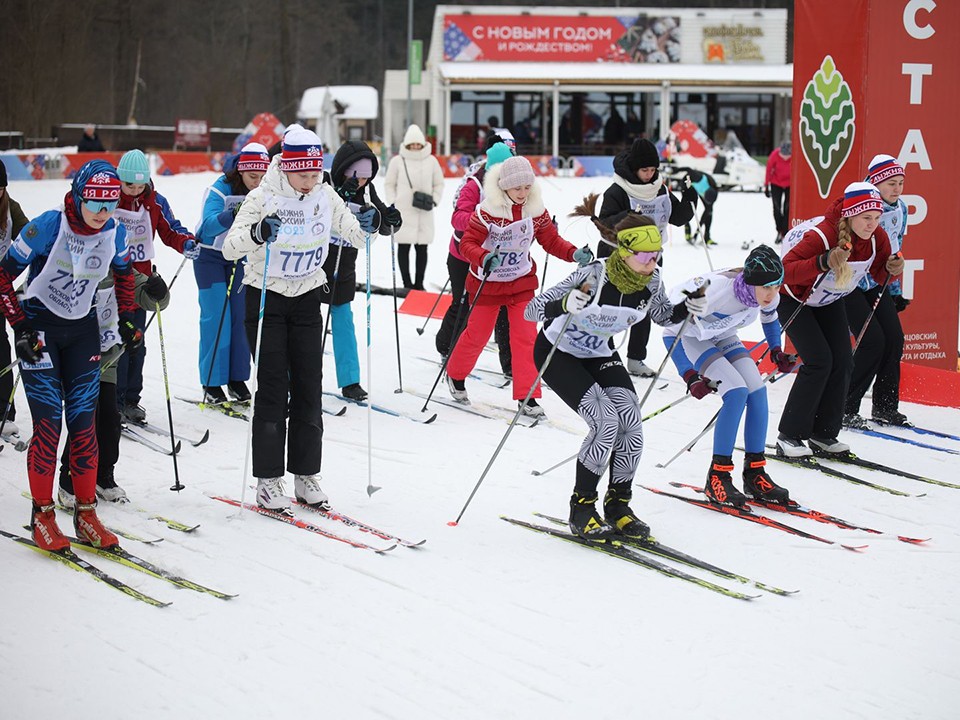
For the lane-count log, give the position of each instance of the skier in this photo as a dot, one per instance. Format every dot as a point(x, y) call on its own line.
point(224, 352)
point(354, 167)
point(581, 314)
point(58, 341)
point(289, 218)
point(707, 190)
point(468, 196)
point(734, 299)
point(878, 358)
point(143, 212)
point(836, 253)
point(150, 294)
point(497, 246)
point(638, 187)
point(12, 221)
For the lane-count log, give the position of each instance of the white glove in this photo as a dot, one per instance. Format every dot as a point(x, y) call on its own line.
point(696, 305)
point(575, 301)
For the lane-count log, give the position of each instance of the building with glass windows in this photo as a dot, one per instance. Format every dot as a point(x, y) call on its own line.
point(572, 81)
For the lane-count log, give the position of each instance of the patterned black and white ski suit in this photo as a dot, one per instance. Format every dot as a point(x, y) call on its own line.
point(586, 370)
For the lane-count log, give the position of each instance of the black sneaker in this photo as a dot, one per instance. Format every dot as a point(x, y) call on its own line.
point(854, 421)
point(584, 520)
point(133, 413)
point(892, 418)
point(213, 395)
point(617, 512)
point(758, 484)
point(238, 391)
point(354, 392)
point(719, 487)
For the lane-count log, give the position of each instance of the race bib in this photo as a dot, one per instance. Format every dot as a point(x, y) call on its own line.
point(304, 238)
point(514, 241)
point(108, 317)
point(139, 233)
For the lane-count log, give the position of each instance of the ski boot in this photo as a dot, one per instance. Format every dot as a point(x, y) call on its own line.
point(617, 512)
point(584, 520)
point(46, 532)
point(828, 446)
point(719, 487)
point(854, 421)
point(307, 490)
point(107, 489)
point(892, 417)
point(88, 525)
point(792, 447)
point(639, 368)
point(757, 483)
point(354, 392)
point(214, 395)
point(458, 391)
point(239, 391)
point(270, 494)
point(134, 413)
point(532, 409)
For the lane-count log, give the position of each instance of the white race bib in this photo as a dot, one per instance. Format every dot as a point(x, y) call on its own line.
point(304, 238)
point(588, 333)
point(514, 241)
point(6, 237)
point(108, 317)
point(139, 233)
point(658, 210)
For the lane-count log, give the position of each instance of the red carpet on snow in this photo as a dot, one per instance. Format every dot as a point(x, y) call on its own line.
point(418, 302)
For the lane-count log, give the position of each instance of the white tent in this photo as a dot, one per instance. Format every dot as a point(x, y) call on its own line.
point(325, 106)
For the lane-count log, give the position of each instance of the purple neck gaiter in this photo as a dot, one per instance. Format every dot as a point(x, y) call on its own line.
point(744, 292)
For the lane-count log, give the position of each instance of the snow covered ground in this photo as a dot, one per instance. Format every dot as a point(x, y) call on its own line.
point(487, 620)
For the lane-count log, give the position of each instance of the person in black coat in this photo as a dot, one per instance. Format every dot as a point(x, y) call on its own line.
point(90, 142)
point(638, 187)
point(351, 174)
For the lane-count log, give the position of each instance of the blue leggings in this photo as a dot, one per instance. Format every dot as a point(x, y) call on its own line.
point(231, 356)
point(345, 345)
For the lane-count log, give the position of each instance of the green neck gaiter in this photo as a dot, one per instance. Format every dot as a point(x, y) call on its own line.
point(623, 278)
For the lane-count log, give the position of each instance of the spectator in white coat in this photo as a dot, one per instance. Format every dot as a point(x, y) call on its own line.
point(414, 185)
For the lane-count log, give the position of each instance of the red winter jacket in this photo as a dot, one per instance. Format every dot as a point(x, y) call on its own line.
point(778, 170)
point(164, 224)
point(802, 265)
point(492, 209)
point(464, 208)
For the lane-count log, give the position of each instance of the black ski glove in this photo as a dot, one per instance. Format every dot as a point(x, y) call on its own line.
point(28, 344)
point(155, 287)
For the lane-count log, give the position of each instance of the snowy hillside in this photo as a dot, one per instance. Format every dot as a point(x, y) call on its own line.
point(486, 620)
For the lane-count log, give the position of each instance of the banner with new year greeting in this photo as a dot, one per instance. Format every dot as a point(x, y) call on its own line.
point(906, 106)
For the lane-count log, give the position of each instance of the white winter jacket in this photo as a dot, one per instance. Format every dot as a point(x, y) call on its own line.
point(238, 242)
point(425, 176)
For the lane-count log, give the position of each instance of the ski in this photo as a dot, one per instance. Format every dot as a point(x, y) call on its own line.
point(615, 549)
point(797, 510)
point(385, 410)
point(851, 459)
point(338, 409)
point(500, 382)
point(229, 409)
point(811, 463)
point(164, 432)
point(169, 522)
point(657, 548)
point(363, 527)
point(119, 555)
point(131, 434)
point(302, 524)
point(71, 559)
point(919, 430)
point(490, 412)
point(746, 514)
point(900, 439)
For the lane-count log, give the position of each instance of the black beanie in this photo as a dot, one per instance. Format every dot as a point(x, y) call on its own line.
point(763, 267)
point(3, 174)
point(643, 153)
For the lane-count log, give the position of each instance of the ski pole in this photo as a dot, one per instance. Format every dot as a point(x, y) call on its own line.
point(177, 486)
point(435, 303)
point(673, 346)
point(10, 367)
point(873, 310)
point(223, 315)
point(371, 488)
point(396, 317)
point(333, 292)
point(256, 373)
point(6, 410)
point(456, 337)
point(523, 404)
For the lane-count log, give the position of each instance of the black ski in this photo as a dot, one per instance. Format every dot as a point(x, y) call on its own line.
point(71, 559)
point(657, 548)
point(745, 513)
point(618, 550)
point(810, 463)
point(131, 434)
point(165, 432)
point(119, 555)
point(850, 459)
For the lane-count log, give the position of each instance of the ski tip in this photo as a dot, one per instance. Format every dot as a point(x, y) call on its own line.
point(201, 441)
point(382, 551)
point(430, 419)
point(854, 548)
point(913, 541)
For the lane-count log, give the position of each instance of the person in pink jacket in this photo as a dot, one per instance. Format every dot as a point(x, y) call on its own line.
point(777, 187)
point(497, 245)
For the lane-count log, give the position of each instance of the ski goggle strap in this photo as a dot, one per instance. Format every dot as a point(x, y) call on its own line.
point(644, 239)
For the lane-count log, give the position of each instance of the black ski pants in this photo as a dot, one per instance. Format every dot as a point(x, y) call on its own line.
point(822, 338)
point(780, 196)
point(879, 353)
point(287, 407)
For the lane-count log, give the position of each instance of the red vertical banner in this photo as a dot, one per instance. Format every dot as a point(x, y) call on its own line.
point(879, 76)
point(913, 60)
